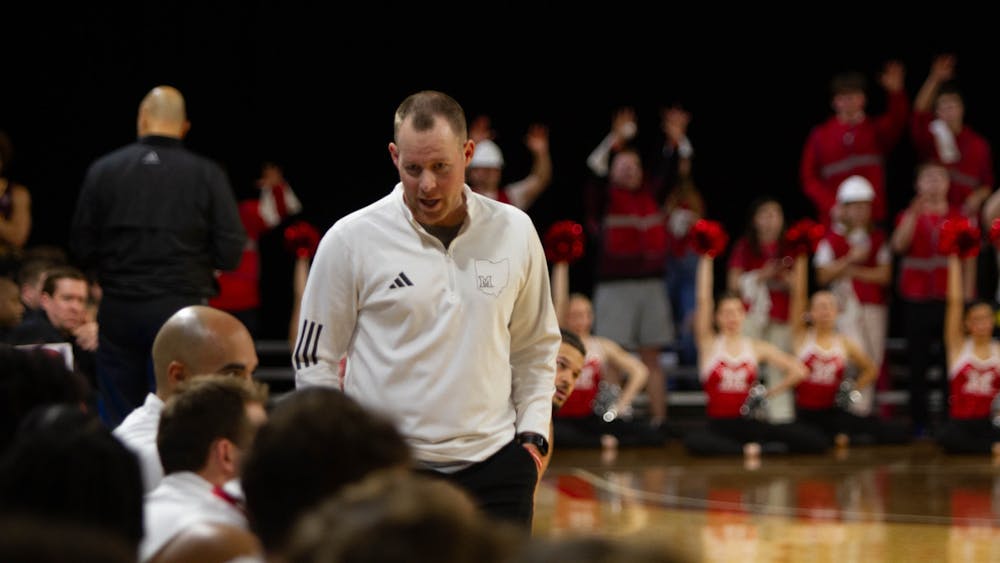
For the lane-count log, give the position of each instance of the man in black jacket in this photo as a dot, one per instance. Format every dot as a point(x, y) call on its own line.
point(155, 221)
point(62, 319)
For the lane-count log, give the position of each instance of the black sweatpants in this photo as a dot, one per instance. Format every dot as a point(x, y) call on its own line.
point(726, 436)
point(503, 485)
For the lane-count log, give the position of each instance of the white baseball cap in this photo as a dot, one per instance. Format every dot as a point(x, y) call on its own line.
point(855, 188)
point(486, 155)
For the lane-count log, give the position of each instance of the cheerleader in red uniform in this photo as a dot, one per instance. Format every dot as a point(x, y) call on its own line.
point(728, 367)
point(973, 371)
point(823, 398)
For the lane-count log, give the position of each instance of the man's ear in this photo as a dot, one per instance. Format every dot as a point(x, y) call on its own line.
point(394, 154)
point(224, 452)
point(176, 372)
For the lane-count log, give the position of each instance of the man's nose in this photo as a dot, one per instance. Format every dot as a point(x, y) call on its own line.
point(427, 181)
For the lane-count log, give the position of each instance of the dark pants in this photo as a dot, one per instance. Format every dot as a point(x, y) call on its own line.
point(124, 362)
point(586, 432)
point(862, 430)
point(503, 485)
point(726, 436)
point(968, 436)
point(680, 281)
point(922, 322)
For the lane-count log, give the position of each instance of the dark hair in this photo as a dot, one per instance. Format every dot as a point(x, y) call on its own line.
point(32, 269)
point(949, 88)
point(204, 409)
point(923, 165)
point(32, 377)
point(597, 549)
point(61, 273)
point(421, 108)
point(409, 517)
point(573, 339)
point(979, 301)
point(727, 295)
point(750, 228)
point(31, 539)
point(847, 82)
point(65, 465)
point(316, 440)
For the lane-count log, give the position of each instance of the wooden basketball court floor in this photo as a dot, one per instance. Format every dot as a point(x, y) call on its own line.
point(864, 504)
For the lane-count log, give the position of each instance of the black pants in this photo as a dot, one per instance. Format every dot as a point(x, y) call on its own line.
point(503, 485)
point(862, 430)
point(586, 432)
point(726, 436)
point(922, 328)
point(124, 361)
point(968, 436)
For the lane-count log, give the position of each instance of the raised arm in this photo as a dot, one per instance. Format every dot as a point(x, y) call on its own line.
point(524, 192)
point(955, 303)
point(704, 302)
point(892, 124)
point(623, 129)
point(798, 297)
point(942, 70)
point(560, 291)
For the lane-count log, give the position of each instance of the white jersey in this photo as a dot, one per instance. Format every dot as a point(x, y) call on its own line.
point(138, 432)
point(181, 500)
point(456, 345)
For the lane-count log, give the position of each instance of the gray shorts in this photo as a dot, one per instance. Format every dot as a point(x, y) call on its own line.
point(633, 313)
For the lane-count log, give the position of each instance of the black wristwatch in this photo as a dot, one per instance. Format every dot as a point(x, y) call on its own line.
point(534, 438)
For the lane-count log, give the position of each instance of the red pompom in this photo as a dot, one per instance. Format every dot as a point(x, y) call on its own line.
point(301, 239)
point(959, 236)
point(803, 237)
point(563, 242)
point(708, 237)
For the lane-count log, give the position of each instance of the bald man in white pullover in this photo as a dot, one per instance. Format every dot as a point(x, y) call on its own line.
point(440, 300)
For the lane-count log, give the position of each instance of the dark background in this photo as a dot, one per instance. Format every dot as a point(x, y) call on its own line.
point(315, 89)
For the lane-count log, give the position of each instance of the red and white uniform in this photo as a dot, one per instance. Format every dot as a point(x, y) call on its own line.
point(748, 259)
point(835, 150)
point(239, 289)
point(838, 242)
point(580, 403)
point(826, 370)
point(969, 169)
point(973, 382)
point(923, 271)
point(726, 379)
point(634, 242)
point(864, 315)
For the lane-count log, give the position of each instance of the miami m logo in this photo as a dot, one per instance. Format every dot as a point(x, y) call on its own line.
point(978, 382)
point(733, 380)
